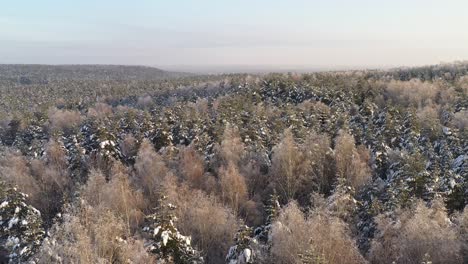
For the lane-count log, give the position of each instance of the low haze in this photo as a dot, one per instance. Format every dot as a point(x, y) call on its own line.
point(213, 35)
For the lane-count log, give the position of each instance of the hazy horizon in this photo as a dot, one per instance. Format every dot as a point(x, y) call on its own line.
point(209, 36)
point(220, 69)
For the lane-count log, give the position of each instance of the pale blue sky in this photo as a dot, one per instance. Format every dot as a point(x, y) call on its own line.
point(234, 32)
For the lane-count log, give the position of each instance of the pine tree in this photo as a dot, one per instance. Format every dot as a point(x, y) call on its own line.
point(272, 208)
point(241, 252)
point(21, 229)
point(252, 246)
point(167, 242)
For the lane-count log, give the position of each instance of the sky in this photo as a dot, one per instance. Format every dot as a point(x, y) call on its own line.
point(224, 34)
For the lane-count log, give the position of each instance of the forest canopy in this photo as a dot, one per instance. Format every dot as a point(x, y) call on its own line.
point(117, 164)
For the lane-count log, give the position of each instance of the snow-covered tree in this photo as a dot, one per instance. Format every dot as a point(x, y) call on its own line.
point(21, 226)
point(253, 245)
point(167, 243)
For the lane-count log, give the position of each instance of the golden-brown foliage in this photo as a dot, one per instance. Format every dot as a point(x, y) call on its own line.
point(232, 147)
point(68, 243)
point(460, 120)
point(56, 174)
point(63, 120)
point(150, 170)
point(233, 187)
point(349, 164)
point(14, 170)
point(100, 111)
point(462, 230)
point(428, 119)
point(462, 84)
point(129, 146)
point(289, 235)
point(320, 164)
point(221, 182)
point(119, 196)
point(46, 181)
point(211, 225)
point(116, 195)
point(310, 107)
point(416, 234)
point(257, 180)
point(192, 167)
point(288, 168)
point(319, 234)
point(252, 213)
point(90, 235)
point(53, 176)
point(91, 192)
point(413, 93)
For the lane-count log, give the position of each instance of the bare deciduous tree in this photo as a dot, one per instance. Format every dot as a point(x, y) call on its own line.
point(288, 168)
point(348, 162)
point(233, 187)
point(416, 234)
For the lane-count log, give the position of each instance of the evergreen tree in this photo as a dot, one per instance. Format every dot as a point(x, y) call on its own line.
point(167, 243)
point(21, 229)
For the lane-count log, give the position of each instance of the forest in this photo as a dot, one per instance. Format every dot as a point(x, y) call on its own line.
point(130, 164)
